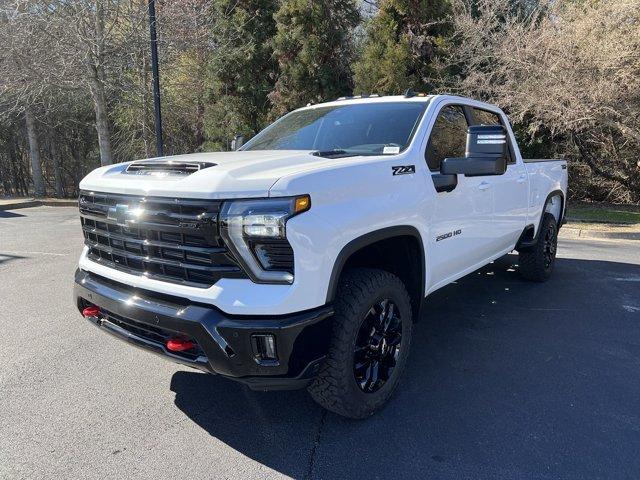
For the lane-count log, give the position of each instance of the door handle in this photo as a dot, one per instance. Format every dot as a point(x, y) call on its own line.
point(484, 186)
point(522, 178)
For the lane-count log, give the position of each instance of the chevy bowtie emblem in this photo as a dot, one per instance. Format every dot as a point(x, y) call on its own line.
point(118, 214)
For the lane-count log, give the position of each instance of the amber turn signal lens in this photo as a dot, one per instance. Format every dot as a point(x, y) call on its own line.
point(303, 204)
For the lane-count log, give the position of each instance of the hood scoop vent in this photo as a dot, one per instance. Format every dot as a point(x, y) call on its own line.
point(164, 168)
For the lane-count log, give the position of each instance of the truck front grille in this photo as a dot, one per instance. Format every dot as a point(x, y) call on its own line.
point(168, 239)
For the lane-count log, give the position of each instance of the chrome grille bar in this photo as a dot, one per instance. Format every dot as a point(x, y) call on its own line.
point(173, 240)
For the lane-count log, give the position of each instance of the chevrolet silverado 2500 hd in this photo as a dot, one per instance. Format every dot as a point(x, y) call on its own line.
point(303, 259)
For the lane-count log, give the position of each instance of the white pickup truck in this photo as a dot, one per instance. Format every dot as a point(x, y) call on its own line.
point(303, 259)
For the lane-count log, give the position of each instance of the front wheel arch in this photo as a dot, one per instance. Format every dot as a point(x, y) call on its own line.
point(403, 242)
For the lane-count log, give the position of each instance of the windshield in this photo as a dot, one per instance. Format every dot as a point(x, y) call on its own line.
point(355, 129)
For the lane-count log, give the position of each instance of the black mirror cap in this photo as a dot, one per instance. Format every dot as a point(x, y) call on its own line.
point(486, 141)
point(474, 166)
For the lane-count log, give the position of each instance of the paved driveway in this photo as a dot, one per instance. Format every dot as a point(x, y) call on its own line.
point(507, 379)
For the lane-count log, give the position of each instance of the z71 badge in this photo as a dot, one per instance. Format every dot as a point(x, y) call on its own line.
point(404, 169)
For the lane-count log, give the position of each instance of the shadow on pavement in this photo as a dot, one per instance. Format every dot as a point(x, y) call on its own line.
point(8, 214)
point(6, 258)
point(273, 428)
point(506, 379)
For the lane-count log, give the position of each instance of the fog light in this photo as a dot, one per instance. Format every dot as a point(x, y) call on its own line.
point(264, 347)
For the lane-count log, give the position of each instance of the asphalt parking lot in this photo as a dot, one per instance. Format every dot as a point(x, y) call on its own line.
point(506, 379)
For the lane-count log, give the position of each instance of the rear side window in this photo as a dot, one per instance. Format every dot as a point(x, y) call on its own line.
point(448, 137)
point(484, 117)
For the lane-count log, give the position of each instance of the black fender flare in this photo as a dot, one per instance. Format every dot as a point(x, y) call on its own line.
point(368, 239)
point(526, 240)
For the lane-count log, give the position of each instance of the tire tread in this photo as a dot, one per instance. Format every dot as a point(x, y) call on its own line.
point(330, 388)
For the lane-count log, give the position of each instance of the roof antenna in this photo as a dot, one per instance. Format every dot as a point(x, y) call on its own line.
point(409, 93)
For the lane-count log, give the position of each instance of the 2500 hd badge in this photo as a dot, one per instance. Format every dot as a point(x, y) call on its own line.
point(448, 235)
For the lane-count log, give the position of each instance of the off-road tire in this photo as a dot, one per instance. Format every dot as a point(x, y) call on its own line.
point(335, 388)
point(536, 262)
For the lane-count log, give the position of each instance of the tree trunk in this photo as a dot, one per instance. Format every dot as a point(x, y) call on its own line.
point(57, 167)
point(77, 171)
point(4, 178)
point(14, 162)
point(199, 126)
point(96, 85)
point(102, 121)
point(34, 154)
point(146, 111)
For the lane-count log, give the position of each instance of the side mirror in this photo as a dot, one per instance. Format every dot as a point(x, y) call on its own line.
point(486, 153)
point(237, 142)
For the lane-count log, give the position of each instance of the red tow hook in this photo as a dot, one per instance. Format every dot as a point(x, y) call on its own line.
point(91, 311)
point(179, 344)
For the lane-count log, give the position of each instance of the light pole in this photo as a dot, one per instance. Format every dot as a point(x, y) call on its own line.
point(156, 77)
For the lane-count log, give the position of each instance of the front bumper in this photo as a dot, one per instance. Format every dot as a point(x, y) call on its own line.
point(224, 343)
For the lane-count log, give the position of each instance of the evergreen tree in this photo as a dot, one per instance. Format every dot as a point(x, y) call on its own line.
point(313, 48)
point(241, 71)
point(401, 42)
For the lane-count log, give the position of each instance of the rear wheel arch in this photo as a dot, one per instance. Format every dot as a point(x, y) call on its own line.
point(398, 250)
point(530, 234)
point(554, 204)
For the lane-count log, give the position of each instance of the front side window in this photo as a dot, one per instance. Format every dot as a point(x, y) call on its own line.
point(448, 137)
point(355, 129)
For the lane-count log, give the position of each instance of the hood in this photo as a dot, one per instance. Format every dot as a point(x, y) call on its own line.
point(227, 175)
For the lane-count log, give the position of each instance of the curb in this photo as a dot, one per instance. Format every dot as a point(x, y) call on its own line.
point(605, 222)
point(596, 234)
point(38, 203)
point(59, 203)
point(16, 205)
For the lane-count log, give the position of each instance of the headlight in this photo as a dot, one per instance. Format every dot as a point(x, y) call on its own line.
point(255, 232)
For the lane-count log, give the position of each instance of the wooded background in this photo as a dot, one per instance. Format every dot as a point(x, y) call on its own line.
point(75, 76)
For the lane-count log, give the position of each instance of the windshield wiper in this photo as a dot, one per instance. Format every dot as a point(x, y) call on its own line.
point(337, 153)
point(331, 153)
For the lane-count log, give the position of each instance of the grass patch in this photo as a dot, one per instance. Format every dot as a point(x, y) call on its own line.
point(608, 214)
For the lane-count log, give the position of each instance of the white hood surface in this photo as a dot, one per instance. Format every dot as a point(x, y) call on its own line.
point(234, 175)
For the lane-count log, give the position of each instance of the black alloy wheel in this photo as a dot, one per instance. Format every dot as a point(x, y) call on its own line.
point(377, 346)
point(370, 343)
point(550, 245)
point(536, 262)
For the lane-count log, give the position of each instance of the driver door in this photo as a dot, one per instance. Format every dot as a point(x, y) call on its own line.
point(461, 239)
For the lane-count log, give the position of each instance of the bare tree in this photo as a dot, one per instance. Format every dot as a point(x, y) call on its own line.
point(567, 72)
point(84, 33)
point(87, 43)
point(34, 149)
point(93, 43)
point(22, 86)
